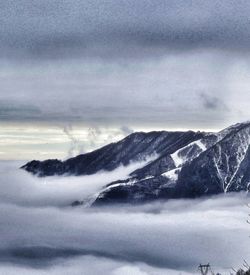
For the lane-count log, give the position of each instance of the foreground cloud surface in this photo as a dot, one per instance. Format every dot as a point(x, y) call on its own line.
point(149, 239)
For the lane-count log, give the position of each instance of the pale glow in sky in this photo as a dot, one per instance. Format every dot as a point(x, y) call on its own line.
point(25, 142)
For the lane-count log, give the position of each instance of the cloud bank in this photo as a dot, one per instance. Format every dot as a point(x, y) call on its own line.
point(39, 235)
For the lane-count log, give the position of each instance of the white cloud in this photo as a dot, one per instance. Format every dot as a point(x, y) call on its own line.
point(173, 236)
point(55, 191)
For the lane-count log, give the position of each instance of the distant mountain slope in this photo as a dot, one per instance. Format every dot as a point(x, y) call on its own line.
point(224, 167)
point(186, 165)
point(135, 147)
point(217, 163)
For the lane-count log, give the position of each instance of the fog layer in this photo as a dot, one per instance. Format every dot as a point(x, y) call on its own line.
point(41, 235)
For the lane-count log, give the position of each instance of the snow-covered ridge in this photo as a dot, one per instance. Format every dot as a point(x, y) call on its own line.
point(216, 163)
point(233, 128)
point(228, 161)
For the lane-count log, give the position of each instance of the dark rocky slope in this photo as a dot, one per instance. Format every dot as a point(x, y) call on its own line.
point(221, 165)
point(135, 147)
point(186, 165)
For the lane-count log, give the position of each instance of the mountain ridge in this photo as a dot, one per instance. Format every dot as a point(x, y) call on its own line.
point(135, 147)
point(187, 165)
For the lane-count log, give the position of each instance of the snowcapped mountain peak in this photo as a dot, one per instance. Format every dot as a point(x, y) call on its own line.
point(186, 164)
point(233, 129)
point(216, 163)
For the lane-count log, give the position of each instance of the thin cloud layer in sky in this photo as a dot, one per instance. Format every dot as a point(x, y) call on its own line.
point(101, 28)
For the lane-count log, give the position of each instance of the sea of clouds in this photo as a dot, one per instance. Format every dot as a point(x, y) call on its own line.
point(40, 233)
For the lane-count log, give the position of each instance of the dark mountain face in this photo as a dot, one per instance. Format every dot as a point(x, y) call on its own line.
point(186, 165)
point(135, 147)
point(222, 168)
point(217, 163)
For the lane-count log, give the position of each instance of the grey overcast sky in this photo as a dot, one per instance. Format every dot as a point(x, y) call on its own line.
point(79, 74)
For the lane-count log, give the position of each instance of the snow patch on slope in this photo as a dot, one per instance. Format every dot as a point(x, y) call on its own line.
point(172, 174)
point(179, 160)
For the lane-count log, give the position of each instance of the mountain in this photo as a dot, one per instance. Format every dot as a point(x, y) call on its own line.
point(135, 147)
point(186, 165)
